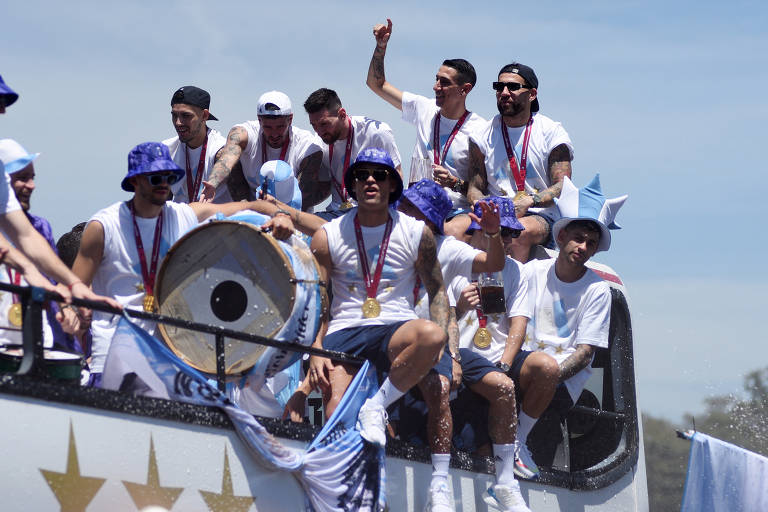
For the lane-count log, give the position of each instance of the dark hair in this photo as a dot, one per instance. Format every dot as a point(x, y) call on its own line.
point(465, 72)
point(69, 243)
point(322, 99)
point(588, 225)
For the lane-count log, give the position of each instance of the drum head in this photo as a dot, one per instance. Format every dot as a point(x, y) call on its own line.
point(227, 274)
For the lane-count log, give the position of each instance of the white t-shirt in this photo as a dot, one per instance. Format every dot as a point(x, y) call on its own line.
point(456, 259)
point(421, 111)
point(301, 145)
point(546, 135)
point(566, 315)
point(179, 155)
point(398, 277)
point(119, 272)
point(6, 300)
point(8, 201)
point(516, 299)
point(368, 133)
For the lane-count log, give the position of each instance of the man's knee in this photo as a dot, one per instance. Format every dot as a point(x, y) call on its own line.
point(435, 388)
point(541, 368)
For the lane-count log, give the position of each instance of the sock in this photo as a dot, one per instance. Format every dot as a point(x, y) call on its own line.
point(386, 395)
point(505, 463)
point(440, 464)
point(524, 427)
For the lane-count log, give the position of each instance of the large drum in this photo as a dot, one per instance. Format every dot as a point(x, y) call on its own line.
point(230, 274)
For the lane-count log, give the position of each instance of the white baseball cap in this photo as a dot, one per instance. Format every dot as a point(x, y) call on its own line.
point(274, 103)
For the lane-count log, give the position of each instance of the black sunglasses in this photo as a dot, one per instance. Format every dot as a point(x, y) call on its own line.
point(364, 174)
point(509, 232)
point(512, 86)
point(159, 179)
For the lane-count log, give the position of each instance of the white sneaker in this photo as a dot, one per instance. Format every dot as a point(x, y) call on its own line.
point(524, 467)
point(506, 498)
point(372, 423)
point(440, 499)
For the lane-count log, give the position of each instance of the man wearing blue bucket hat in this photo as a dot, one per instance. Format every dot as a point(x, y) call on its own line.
point(372, 256)
point(488, 338)
point(571, 307)
point(123, 244)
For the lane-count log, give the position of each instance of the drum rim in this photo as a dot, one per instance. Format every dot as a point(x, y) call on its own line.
point(161, 273)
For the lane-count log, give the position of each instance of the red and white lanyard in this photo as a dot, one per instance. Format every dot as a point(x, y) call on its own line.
point(341, 189)
point(194, 189)
point(148, 273)
point(372, 284)
point(436, 137)
point(517, 172)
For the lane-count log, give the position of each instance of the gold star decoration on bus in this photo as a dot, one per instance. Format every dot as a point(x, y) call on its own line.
point(152, 493)
point(226, 501)
point(73, 491)
point(139, 287)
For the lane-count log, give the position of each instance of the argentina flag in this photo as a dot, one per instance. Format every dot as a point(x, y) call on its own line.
point(338, 471)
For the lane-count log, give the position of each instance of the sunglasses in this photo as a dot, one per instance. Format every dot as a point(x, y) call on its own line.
point(364, 174)
point(159, 179)
point(509, 232)
point(512, 86)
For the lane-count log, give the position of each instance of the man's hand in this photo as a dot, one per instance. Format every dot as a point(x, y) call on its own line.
point(456, 375)
point(468, 299)
point(281, 226)
point(81, 291)
point(295, 406)
point(382, 32)
point(490, 221)
point(443, 176)
point(319, 371)
point(207, 193)
point(522, 205)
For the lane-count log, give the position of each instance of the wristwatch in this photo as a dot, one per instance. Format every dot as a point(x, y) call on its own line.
point(456, 356)
point(536, 199)
point(458, 185)
point(502, 366)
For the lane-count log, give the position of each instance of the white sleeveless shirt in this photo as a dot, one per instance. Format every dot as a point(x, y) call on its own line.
point(398, 277)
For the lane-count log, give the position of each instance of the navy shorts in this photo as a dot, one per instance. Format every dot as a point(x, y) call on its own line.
point(372, 343)
point(548, 242)
point(368, 341)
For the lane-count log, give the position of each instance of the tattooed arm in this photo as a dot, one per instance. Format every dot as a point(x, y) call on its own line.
point(478, 179)
point(559, 167)
point(313, 191)
point(576, 362)
point(428, 269)
point(377, 81)
point(228, 156)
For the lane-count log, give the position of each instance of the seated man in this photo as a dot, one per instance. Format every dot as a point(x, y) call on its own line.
point(571, 308)
point(373, 255)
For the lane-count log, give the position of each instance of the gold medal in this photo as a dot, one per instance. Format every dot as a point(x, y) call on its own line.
point(149, 303)
point(371, 308)
point(520, 194)
point(14, 314)
point(346, 205)
point(482, 338)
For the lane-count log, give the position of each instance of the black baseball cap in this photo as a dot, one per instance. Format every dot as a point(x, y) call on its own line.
point(528, 75)
point(195, 96)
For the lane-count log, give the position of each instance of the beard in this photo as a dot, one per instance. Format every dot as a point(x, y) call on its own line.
point(510, 110)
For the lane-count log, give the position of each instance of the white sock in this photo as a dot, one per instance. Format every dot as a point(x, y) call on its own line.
point(505, 463)
point(525, 424)
point(386, 395)
point(440, 464)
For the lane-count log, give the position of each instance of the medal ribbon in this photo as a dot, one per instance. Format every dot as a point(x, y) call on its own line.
point(481, 318)
point(372, 284)
point(340, 187)
point(148, 273)
point(436, 137)
point(518, 172)
point(14, 278)
point(192, 190)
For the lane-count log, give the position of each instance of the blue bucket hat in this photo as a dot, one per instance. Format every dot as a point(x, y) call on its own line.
point(506, 213)
point(14, 156)
point(8, 94)
point(148, 158)
point(431, 200)
point(379, 157)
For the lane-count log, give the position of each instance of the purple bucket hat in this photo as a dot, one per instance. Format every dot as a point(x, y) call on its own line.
point(506, 213)
point(148, 158)
point(9, 95)
point(379, 157)
point(431, 200)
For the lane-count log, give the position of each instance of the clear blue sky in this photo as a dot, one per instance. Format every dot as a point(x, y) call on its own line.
point(665, 99)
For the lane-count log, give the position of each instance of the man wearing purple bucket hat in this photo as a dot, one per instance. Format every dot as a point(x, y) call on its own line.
point(372, 255)
point(123, 244)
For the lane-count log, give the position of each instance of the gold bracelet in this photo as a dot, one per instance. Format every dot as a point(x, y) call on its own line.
point(495, 235)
